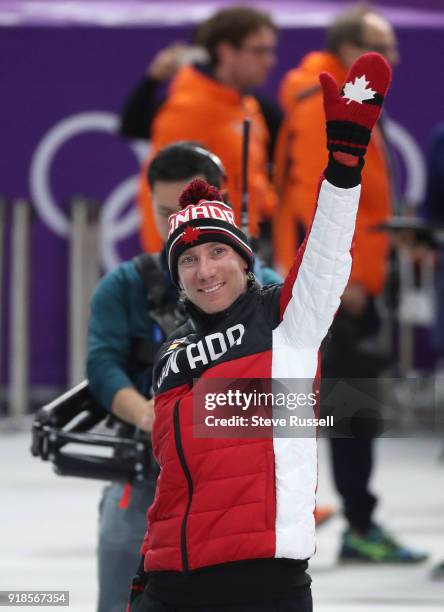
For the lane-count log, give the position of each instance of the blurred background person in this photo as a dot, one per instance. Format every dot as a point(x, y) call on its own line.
point(300, 159)
point(208, 102)
point(301, 154)
point(148, 95)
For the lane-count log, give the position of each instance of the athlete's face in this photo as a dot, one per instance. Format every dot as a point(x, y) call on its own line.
point(213, 275)
point(165, 198)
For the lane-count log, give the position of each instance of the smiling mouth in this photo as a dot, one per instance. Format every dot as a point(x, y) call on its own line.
point(212, 289)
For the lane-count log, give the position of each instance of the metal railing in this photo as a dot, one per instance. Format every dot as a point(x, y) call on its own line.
point(19, 309)
point(83, 276)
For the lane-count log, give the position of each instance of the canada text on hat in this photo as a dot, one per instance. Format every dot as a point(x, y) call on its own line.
point(204, 209)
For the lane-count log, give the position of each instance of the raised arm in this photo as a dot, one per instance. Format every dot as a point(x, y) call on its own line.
point(313, 287)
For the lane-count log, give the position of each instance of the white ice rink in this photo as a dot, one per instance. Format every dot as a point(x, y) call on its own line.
point(48, 530)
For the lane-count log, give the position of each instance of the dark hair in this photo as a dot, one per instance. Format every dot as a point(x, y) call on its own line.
point(347, 27)
point(232, 25)
point(184, 160)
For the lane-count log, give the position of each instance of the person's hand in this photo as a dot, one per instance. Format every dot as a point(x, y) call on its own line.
point(131, 406)
point(354, 299)
point(168, 61)
point(145, 423)
point(352, 113)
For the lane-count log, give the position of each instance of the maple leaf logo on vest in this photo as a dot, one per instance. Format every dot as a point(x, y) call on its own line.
point(190, 235)
point(357, 91)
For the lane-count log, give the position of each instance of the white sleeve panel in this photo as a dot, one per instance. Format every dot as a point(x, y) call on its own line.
point(324, 270)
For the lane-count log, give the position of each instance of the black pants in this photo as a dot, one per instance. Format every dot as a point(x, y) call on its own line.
point(345, 367)
point(352, 463)
point(302, 604)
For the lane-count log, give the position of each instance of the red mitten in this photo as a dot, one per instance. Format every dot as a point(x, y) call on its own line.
point(352, 114)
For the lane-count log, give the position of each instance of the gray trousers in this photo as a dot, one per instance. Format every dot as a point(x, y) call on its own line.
point(121, 533)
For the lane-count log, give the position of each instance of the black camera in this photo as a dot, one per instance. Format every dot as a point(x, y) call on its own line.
point(119, 453)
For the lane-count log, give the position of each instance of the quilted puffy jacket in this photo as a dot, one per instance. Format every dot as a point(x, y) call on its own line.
point(222, 500)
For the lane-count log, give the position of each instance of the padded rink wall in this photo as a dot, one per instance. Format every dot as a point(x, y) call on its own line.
point(66, 69)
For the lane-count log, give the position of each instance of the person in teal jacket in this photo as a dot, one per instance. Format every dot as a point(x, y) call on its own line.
point(123, 336)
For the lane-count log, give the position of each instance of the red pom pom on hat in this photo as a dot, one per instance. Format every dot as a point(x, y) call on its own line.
point(199, 190)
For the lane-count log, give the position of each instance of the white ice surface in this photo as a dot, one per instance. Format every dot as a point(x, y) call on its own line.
point(48, 530)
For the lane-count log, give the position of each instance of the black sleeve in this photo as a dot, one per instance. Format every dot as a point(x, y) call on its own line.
point(140, 109)
point(273, 116)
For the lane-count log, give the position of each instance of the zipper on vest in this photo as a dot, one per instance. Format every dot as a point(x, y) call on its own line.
point(186, 471)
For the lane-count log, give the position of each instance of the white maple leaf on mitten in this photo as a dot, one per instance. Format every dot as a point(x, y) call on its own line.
point(358, 91)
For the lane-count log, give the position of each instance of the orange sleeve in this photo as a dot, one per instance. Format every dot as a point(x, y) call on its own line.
point(150, 238)
point(307, 157)
point(287, 90)
point(369, 255)
point(301, 157)
point(371, 248)
point(169, 126)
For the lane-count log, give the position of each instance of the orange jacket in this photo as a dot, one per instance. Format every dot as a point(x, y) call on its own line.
point(301, 158)
point(203, 109)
